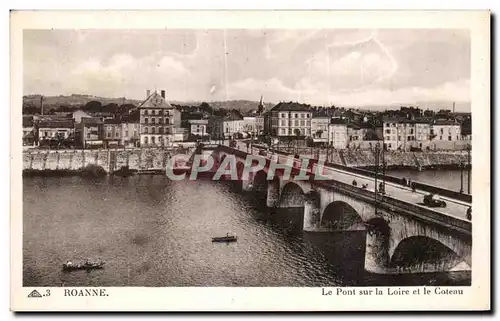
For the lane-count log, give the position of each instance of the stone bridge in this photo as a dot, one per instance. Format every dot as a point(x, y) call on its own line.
point(400, 237)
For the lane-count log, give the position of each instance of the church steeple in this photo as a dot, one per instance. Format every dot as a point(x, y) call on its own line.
point(260, 109)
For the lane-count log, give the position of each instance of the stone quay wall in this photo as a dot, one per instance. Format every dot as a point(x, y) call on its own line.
point(140, 159)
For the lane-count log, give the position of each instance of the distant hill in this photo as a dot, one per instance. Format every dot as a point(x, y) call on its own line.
point(77, 101)
point(244, 106)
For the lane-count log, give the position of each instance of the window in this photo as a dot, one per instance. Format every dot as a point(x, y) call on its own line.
point(387, 131)
point(117, 134)
point(449, 137)
point(441, 131)
point(167, 121)
point(135, 133)
point(146, 130)
point(302, 123)
point(296, 123)
point(146, 140)
point(307, 115)
point(302, 116)
point(153, 130)
point(160, 130)
point(45, 134)
point(282, 131)
point(146, 112)
point(152, 140)
point(146, 120)
point(440, 137)
point(153, 121)
point(109, 134)
point(160, 120)
point(283, 122)
point(126, 133)
point(411, 131)
point(387, 137)
point(295, 116)
point(399, 137)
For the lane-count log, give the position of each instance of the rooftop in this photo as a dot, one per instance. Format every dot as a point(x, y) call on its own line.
point(56, 124)
point(291, 106)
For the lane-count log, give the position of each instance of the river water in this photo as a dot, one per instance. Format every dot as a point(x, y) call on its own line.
point(155, 232)
point(449, 179)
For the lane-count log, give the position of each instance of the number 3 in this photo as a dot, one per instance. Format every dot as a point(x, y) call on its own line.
point(47, 293)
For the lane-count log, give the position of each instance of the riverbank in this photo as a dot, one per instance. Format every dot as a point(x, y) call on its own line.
point(104, 161)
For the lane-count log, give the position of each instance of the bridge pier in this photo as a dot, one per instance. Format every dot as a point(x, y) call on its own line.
point(377, 246)
point(273, 194)
point(312, 214)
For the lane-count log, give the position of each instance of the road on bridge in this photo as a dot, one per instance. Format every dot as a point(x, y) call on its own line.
point(453, 207)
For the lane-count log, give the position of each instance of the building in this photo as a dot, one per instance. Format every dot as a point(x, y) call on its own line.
point(216, 127)
point(319, 128)
point(290, 121)
point(355, 133)
point(112, 132)
point(259, 124)
point(29, 133)
point(130, 132)
point(78, 115)
point(198, 127)
point(445, 130)
point(52, 132)
point(89, 133)
point(157, 120)
point(233, 125)
point(399, 133)
point(337, 133)
point(250, 125)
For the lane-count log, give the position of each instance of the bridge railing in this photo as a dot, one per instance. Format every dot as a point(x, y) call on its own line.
point(390, 203)
point(383, 201)
point(393, 179)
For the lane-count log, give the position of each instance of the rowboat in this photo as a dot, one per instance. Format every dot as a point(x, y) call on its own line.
point(68, 266)
point(227, 238)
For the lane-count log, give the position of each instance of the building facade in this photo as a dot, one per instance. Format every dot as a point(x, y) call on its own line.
point(290, 121)
point(89, 132)
point(199, 127)
point(319, 128)
point(445, 130)
point(157, 120)
point(337, 134)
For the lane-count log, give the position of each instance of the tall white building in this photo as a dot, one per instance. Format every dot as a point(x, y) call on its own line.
point(157, 120)
point(337, 134)
point(446, 130)
point(290, 120)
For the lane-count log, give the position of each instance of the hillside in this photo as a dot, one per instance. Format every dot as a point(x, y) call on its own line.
point(77, 101)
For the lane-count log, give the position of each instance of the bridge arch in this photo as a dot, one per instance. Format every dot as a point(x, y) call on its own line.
point(422, 253)
point(341, 216)
point(260, 182)
point(292, 195)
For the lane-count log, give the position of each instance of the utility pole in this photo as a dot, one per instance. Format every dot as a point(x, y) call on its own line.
point(377, 149)
point(469, 169)
point(461, 177)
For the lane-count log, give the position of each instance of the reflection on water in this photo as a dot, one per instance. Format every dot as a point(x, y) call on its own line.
point(155, 232)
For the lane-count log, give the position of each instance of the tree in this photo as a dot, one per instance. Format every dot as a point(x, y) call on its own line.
point(93, 106)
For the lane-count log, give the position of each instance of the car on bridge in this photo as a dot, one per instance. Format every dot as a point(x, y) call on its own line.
point(433, 200)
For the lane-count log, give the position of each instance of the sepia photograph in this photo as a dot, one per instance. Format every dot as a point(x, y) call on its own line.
point(321, 157)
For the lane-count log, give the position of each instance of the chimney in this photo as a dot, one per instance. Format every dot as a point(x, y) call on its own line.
point(163, 94)
point(148, 92)
point(41, 105)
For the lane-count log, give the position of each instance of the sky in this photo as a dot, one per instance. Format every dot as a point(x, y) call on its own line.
point(345, 67)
